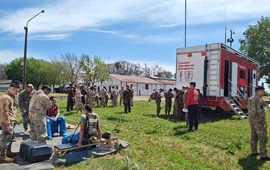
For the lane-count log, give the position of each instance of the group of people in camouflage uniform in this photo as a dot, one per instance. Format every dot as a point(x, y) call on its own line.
point(178, 96)
point(33, 106)
point(88, 95)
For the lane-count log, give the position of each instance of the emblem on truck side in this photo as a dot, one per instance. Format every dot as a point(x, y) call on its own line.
point(188, 76)
point(181, 75)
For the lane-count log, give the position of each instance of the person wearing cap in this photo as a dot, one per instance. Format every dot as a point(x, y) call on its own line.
point(192, 106)
point(103, 96)
point(258, 124)
point(131, 94)
point(70, 98)
point(53, 119)
point(39, 104)
point(127, 99)
point(168, 101)
point(114, 96)
point(121, 92)
point(24, 101)
point(158, 96)
point(7, 122)
point(78, 100)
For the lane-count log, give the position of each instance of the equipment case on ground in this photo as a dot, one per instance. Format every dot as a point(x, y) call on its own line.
point(34, 151)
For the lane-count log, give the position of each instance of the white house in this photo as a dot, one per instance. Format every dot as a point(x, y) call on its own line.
point(143, 86)
point(167, 83)
point(4, 84)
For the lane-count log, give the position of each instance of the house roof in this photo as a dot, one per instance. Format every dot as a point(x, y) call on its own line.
point(167, 81)
point(134, 79)
point(5, 81)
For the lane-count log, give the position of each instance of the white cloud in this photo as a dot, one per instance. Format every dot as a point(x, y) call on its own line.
point(49, 36)
point(7, 55)
point(73, 15)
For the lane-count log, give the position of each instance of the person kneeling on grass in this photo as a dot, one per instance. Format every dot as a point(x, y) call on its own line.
point(89, 129)
point(53, 119)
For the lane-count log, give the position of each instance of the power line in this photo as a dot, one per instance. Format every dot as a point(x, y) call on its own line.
point(9, 43)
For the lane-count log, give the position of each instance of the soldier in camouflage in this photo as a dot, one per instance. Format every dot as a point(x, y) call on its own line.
point(38, 106)
point(7, 122)
point(115, 94)
point(168, 101)
point(121, 92)
point(185, 89)
point(257, 120)
point(24, 100)
point(179, 104)
point(158, 96)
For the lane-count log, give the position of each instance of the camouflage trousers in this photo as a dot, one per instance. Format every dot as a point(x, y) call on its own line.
point(158, 107)
point(103, 102)
point(38, 127)
point(121, 100)
point(258, 134)
point(168, 106)
point(26, 120)
point(79, 106)
point(131, 101)
point(114, 101)
point(6, 138)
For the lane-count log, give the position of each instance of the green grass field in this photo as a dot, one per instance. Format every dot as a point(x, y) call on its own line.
point(222, 141)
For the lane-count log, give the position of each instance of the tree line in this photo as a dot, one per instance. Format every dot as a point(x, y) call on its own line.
point(71, 68)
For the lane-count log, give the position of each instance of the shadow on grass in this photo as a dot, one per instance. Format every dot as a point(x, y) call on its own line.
point(72, 113)
point(116, 119)
point(120, 113)
point(250, 162)
point(206, 118)
point(171, 118)
point(179, 130)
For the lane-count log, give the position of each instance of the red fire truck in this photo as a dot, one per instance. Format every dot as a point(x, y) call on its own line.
point(224, 76)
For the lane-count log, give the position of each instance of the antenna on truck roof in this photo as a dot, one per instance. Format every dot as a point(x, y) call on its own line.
point(225, 25)
point(185, 23)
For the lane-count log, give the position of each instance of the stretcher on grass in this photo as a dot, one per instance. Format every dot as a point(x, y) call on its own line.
point(61, 150)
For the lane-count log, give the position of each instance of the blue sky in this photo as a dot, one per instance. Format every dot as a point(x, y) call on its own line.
point(133, 30)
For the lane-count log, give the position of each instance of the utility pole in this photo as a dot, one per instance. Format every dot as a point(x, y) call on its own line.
point(25, 49)
point(185, 23)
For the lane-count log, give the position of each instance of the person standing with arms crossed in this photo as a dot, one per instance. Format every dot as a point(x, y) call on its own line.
point(192, 106)
point(127, 99)
point(258, 124)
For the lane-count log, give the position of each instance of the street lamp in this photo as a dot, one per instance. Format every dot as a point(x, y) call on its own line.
point(25, 48)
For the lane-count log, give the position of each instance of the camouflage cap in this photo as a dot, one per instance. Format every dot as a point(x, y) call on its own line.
point(30, 85)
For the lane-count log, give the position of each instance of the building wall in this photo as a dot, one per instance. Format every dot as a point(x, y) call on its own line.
point(4, 87)
point(168, 86)
point(139, 88)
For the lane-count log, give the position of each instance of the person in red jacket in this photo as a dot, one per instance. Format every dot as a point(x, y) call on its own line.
point(192, 106)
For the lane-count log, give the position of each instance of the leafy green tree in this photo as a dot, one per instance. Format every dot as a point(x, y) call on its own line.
point(256, 45)
point(13, 70)
point(37, 71)
point(95, 70)
point(165, 74)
